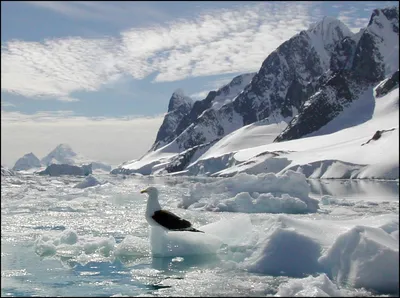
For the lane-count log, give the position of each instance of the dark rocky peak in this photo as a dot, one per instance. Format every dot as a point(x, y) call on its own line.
point(179, 106)
point(281, 83)
point(343, 53)
point(389, 13)
point(226, 92)
point(376, 54)
point(388, 85)
point(179, 98)
point(375, 57)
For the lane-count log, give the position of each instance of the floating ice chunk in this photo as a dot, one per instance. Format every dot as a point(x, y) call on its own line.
point(272, 193)
point(89, 181)
point(364, 257)
point(320, 286)
point(181, 243)
point(328, 200)
point(103, 245)
point(233, 231)
point(264, 203)
point(216, 236)
point(68, 244)
point(68, 237)
point(44, 248)
point(133, 246)
point(285, 251)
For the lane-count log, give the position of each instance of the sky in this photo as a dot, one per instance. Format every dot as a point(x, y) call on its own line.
point(99, 75)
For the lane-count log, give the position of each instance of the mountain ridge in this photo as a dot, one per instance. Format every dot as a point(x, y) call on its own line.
point(306, 82)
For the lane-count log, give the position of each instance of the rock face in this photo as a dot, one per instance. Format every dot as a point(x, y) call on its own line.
point(364, 61)
point(306, 82)
point(388, 85)
point(276, 91)
point(66, 169)
point(28, 161)
point(179, 106)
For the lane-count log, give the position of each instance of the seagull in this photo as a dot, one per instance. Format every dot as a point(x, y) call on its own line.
point(156, 216)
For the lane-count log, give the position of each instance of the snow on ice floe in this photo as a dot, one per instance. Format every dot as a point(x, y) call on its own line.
point(320, 286)
point(263, 193)
point(69, 244)
point(364, 257)
point(356, 253)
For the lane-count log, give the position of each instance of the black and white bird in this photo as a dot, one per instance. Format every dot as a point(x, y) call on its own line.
point(156, 216)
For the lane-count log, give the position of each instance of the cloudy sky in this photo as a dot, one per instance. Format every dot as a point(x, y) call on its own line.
point(98, 75)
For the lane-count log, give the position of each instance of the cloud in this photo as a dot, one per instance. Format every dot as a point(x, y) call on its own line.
point(112, 140)
point(199, 95)
point(223, 41)
point(7, 104)
point(351, 18)
point(114, 12)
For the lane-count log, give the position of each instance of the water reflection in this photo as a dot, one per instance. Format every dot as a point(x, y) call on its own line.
point(356, 189)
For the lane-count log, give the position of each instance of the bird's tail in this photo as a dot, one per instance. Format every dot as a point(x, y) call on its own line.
point(195, 230)
point(189, 230)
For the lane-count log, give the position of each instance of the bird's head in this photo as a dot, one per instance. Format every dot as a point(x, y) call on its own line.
point(151, 191)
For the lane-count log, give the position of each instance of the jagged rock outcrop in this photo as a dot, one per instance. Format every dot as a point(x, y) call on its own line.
point(370, 60)
point(388, 85)
point(179, 106)
point(277, 90)
point(28, 161)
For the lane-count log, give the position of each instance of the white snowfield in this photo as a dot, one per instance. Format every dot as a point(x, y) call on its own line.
point(342, 154)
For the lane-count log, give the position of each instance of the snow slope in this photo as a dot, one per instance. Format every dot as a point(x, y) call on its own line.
point(343, 154)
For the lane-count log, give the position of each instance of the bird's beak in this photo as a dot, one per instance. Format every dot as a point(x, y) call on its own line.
point(143, 191)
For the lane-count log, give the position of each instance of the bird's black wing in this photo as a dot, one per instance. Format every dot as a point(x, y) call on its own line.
point(170, 220)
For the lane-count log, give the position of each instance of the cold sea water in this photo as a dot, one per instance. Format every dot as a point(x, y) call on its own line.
point(57, 240)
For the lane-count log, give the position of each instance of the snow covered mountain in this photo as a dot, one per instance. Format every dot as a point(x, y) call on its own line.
point(63, 154)
point(317, 76)
point(368, 59)
point(367, 150)
point(28, 161)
